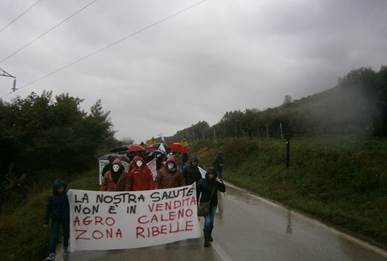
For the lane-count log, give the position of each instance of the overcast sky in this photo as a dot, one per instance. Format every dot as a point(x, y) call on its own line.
point(219, 56)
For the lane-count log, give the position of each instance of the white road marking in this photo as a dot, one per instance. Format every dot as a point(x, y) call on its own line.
point(221, 253)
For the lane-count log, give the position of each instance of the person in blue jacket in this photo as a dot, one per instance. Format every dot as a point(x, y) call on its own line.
point(58, 211)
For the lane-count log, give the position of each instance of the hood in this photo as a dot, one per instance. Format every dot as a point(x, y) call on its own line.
point(192, 159)
point(211, 170)
point(137, 158)
point(169, 160)
point(117, 161)
point(57, 184)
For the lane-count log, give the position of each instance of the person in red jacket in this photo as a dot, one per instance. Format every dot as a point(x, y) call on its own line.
point(115, 179)
point(170, 176)
point(140, 175)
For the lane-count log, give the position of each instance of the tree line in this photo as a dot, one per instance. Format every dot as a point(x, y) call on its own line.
point(356, 105)
point(43, 133)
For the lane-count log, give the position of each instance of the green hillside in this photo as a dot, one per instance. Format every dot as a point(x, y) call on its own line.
point(356, 106)
point(340, 180)
point(338, 152)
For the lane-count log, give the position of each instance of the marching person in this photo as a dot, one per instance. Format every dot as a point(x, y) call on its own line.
point(58, 211)
point(116, 179)
point(218, 164)
point(130, 155)
point(184, 159)
point(179, 161)
point(208, 191)
point(160, 160)
point(191, 171)
point(140, 175)
point(169, 176)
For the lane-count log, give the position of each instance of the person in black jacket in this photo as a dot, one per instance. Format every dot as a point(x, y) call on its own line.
point(184, 159)
point(160, 159)
point(208, 190)
point(191, 171)
point(218, 164)
point(58, 211)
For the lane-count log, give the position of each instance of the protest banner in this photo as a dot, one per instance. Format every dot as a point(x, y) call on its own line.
point(131, 219)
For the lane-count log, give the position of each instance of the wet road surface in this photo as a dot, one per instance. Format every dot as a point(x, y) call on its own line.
point(185, 250)
point(251, 228)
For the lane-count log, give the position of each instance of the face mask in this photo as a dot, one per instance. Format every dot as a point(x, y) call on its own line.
point(116, 168)
point(171, 166)
point(139, 163)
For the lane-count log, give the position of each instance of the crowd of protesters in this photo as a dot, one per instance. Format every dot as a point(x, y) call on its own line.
point(173, 170)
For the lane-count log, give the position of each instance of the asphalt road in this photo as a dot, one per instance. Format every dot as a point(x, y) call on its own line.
point(252, 228)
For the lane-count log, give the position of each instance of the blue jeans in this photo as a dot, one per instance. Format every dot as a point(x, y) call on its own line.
point(54, 234)
point(209, 220)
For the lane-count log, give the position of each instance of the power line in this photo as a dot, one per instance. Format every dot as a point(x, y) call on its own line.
point(20, 15)
point(149, 26)
point(48, 31)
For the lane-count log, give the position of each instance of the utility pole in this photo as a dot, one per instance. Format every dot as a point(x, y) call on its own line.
point(287, 153)
point(6, 74)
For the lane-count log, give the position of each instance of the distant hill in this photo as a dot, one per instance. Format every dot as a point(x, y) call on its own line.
point(357, 105)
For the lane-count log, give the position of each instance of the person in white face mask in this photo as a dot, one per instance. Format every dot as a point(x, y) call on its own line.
point(170, 176)
point(115, 179)
point(140, 175)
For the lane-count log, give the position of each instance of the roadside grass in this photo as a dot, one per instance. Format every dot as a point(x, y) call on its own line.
point(339, 180)
point(23, 236)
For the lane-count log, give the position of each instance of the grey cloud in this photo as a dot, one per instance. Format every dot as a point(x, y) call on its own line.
point(219, 56)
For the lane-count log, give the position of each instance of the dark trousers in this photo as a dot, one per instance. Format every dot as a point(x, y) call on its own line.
point(54, 234)
point(219, 173)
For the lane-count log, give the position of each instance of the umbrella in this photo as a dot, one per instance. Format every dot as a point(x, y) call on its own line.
point(178, 147)
point(135, 148)
point(121, 150)
point(115, 155)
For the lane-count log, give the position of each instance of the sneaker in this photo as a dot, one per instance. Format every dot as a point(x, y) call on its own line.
point(207, 244)
point(51, 257)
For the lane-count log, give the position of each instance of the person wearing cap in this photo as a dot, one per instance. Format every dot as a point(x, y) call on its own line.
point(208, 192)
